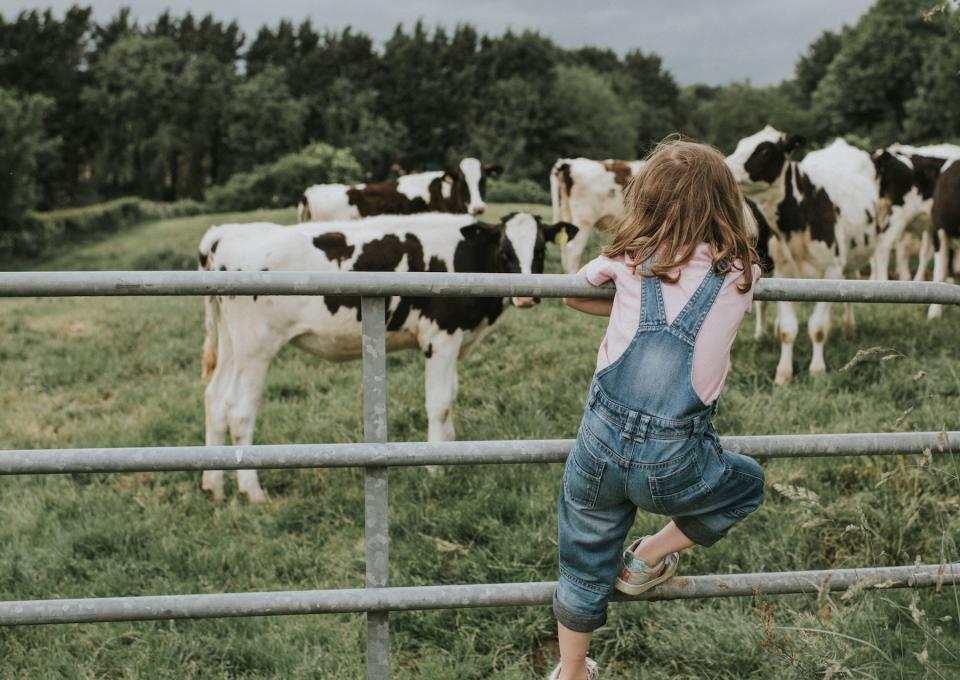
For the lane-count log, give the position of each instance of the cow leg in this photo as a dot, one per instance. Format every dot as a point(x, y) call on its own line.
point(441, 385)
point(880, 262)
point(940, 268)
point(787, 328)
point(849, 320)
point(215, 402)
point(903, 257)
point(758, 319)
point(924, 256)
point(819, 328)
point(247, 391)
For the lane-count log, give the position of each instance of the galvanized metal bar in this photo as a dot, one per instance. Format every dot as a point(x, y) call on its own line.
point(382, 600)
point(290, 456)
point(427, 284)
point(376, 480)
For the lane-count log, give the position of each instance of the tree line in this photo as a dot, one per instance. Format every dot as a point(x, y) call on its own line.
point(170, 108)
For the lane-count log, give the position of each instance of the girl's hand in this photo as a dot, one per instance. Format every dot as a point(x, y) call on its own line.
point(595, 306)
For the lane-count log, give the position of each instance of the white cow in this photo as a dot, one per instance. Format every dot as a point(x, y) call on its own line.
point(584, 192)
point(822, 212)
point(244, 333)
point(454, 191)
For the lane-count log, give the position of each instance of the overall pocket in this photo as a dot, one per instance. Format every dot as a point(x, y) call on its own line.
point(583, 473)
point(680, 488)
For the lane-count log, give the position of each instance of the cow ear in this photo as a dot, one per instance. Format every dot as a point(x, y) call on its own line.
point(794, 142)
point(479, 230)
point(493, 170)
point(551, 231)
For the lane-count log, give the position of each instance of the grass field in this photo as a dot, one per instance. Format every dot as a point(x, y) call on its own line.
point(126, 372)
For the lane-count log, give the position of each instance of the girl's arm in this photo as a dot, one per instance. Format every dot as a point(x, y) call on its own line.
point(595, 306)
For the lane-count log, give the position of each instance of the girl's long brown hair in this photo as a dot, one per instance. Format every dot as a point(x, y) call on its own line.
point(683, 195)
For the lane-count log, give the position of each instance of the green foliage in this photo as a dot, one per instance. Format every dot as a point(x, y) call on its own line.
point(37, 233)
point(592, 120)
point(516, 191)
point(349, 121)
point(282, 183)
point(873, 75)
point(23, 147)
point(932, 113)
point(263, 119)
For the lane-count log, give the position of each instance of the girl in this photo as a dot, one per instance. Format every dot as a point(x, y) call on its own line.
point(684, 269)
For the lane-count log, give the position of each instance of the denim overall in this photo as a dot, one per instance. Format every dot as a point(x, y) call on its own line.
point(646, 441)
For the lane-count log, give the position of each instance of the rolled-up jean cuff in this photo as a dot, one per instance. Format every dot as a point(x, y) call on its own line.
point(579, 623)
point(697, 531)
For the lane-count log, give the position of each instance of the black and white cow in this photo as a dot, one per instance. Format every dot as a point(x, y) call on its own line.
point(822, 212)
point(459, 191)
point(907, 177)
point(244, 333)
point(584, 192)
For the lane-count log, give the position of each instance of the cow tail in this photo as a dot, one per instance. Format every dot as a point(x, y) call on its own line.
point(211, 312)
point(555, 193)
point(563, 180)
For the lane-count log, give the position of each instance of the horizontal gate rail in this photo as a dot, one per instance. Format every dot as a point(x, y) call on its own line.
point(222, 605)
point(279, 456)
point(428, 284)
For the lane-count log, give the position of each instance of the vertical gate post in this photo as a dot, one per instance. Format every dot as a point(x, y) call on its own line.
point(376, 524)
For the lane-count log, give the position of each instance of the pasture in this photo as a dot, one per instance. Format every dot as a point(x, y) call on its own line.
point(126, 372)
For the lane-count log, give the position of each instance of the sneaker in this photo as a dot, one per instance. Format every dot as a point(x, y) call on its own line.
point(592, 671)
point(636, 576)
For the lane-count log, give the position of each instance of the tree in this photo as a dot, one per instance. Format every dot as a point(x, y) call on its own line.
point(264, 120)
point(868, 83)
point(135, 94)
point(591, 120)
point(23, 147)
point(932, 114)
point(813, 65)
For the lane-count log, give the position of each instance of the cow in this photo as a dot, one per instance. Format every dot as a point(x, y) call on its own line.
point(244, 333)
point(822, 212)
point(907, 177)
point(459, 191)
point(945, 219)
point(584, 192)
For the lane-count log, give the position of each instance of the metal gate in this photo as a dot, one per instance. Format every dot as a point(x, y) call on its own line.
point(376, 456)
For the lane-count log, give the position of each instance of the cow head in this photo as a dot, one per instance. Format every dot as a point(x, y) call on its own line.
point(469, 183)
point(761, 157)
point(517, 245)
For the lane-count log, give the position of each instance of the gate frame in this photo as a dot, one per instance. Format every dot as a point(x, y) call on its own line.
point(375, 289)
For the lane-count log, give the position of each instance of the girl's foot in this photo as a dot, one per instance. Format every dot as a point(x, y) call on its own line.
point(592, 672)
point(636, 576)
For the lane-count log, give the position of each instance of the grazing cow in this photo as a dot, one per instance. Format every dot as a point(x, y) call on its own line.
point(907, 177)
point(244, 333)
point(822, 212)
point(458, 191)
point(584, 192)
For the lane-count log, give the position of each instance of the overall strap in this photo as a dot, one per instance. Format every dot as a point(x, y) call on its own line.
point(691, 317)
point(652, 312)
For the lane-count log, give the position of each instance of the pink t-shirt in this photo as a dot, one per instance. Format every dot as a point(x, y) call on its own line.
point(711, 353)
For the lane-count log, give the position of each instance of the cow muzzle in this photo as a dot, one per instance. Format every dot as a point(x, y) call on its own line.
point(476, 208)
point(524, 301)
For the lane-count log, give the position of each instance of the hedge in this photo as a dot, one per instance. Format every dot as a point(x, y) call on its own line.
point(37, 232)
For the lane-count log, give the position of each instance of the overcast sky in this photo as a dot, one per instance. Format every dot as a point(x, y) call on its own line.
point(705, 41)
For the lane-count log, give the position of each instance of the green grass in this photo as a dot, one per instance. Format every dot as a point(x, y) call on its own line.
point(125, 372)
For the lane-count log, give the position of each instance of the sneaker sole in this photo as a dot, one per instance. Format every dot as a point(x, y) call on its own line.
point(636, 589)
